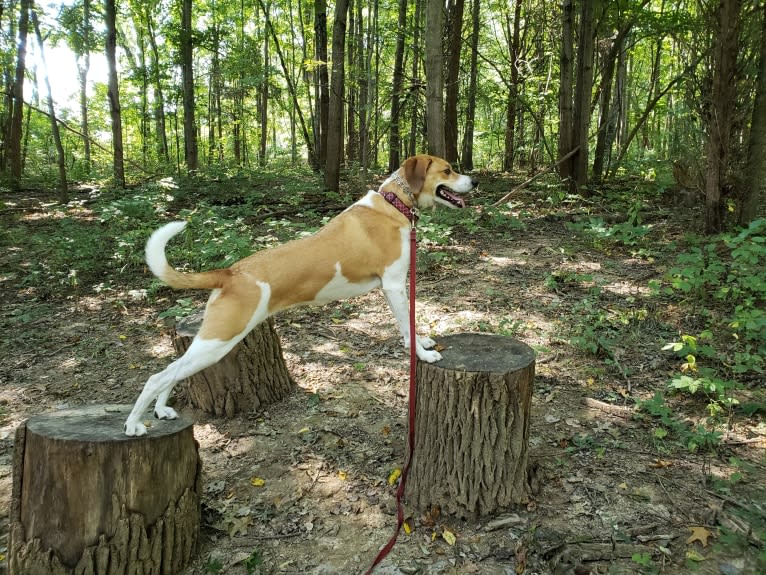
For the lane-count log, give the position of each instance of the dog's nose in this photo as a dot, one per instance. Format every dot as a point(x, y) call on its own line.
point(474, 182)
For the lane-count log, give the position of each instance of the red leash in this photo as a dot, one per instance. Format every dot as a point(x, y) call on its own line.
point(411, 411)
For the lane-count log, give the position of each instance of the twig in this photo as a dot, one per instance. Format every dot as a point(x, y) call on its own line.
point(533, 178)
point(616, 410)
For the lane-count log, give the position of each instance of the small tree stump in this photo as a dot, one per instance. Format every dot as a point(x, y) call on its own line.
point(88, 500)
point(251, 376)
point(472, 427)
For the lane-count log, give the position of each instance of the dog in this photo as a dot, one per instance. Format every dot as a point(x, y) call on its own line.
point(362, 248)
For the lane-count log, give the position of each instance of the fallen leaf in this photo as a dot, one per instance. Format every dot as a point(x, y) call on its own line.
point(698, 534)
point(342, 475)
point(408, 525)
point(393, 477)
point(239, 525)
point(661, 464)
point(449, 537)
point(257, 482)
point(693, 555)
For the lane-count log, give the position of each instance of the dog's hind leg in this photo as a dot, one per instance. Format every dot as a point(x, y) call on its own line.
point(201, 354)
point(222, 317)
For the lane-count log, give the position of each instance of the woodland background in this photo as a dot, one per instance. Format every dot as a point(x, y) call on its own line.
point(617, 229)
point(643, 86)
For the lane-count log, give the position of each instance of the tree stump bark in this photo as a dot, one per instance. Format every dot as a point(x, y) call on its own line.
point(88, 500)
point(252, 375)
point(472, 427)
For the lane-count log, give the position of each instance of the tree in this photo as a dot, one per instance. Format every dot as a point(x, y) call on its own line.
point(725, 45)
point(434, 81)
point(187, 71)
point(118, 161)
point(470, 114)
point(514, 91)
point(454, 46)
point(583, 93)
point(335, 111)
point(322, 77)
point(14, 156)
point(63, 192)
point(394, 138)
point(566, 72)
point(755, 169)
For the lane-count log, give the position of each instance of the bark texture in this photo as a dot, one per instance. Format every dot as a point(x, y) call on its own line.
point(472, 427)
point(87, 500)
point(252, 376)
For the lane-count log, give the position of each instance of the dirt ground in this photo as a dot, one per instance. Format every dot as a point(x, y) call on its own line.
point(301, 488)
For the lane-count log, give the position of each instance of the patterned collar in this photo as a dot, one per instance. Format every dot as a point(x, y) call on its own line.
point(411, 213)
point(394, 200)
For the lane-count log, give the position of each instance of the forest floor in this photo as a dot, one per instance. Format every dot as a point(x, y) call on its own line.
point(301, 488)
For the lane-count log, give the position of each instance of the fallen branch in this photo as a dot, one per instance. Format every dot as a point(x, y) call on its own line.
point(611, 409)
point(523, 185)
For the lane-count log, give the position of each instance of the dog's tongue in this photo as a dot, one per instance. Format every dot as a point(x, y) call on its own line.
point(457, 200)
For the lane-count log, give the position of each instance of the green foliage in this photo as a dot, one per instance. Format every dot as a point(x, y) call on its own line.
point(253, 562)
point(694, 439)
point(629, 233)
point(724, 276)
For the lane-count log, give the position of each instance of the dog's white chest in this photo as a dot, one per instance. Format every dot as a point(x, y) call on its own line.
point(340, 288)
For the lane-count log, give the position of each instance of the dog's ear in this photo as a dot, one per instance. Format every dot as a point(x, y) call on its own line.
point(415, 169)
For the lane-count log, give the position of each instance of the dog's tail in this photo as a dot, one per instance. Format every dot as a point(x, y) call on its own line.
point(158, 263)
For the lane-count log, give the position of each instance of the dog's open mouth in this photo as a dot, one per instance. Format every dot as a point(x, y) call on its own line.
point(446, 194)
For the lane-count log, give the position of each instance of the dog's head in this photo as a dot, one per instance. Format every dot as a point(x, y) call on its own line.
point(433, 181)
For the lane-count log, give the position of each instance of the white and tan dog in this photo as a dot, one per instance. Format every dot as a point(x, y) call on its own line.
point(364, 247)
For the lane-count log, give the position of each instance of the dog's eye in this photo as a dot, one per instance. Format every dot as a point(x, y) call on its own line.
point(448, 171)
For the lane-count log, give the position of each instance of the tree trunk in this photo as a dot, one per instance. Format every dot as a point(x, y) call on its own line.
point(335, 112)
point(722, 98)
point(606, 116)
point(584, 94)
point(455, 11)
point(472, 421)
point(159, 97)
point(113, 92)
point(263, 102)
point(395, 138)
point(513, 92)
point(83, 67)
point(434, 79)
point(414, 91)
point(755, 172)
point(566, 72)
point(87, 500)
point(350, 86)
point(60, 157)
point(14, 158)
point(323, 100)
point(470, 113)
point(252, 376)
point(187, 72)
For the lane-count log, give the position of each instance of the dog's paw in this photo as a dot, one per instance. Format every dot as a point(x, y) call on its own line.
point(429, 356)
point(426, 342)
point(134, 429)
point(164, 412)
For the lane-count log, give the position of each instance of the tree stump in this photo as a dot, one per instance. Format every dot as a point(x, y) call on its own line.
point(472, 427)
point(88, 500)
point(251, 376)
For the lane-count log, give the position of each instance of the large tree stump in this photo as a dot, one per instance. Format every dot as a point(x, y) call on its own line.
point(88, 500)
point(472, 426)
point(251, 376)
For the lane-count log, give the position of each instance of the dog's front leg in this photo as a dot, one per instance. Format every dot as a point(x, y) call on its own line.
point(397, 301)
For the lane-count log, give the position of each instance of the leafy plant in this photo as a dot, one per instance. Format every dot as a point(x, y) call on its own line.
point(253, 562)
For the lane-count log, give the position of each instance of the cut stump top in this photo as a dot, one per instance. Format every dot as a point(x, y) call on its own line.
point(482, 352)
point(96, 423)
